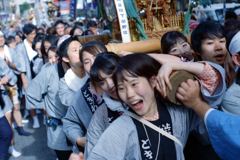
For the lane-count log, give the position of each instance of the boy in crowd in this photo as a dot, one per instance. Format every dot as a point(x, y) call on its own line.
point(29, 55)
point(209, 43)
point(59, 27)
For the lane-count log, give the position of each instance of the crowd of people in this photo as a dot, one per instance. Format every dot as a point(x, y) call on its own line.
point(102, 105)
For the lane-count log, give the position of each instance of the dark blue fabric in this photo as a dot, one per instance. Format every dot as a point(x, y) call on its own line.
point(5, 137)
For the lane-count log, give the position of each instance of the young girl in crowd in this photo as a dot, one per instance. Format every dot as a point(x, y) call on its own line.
point(126, 138)
point(76, 31)
point(52, 54)
point(175, 43)
point(101, 73)
point(86, 100)
point(10, 42)
point(46, 43)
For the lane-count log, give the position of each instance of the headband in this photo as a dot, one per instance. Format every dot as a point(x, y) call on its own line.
point(234, 44)
point(63, 38)
point(1, 33)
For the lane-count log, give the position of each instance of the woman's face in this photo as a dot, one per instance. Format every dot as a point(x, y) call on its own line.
point(181, 47)
point(138, 93)
point(46, 45)
point(107, 85)
point(13, 44)
point(38, 48)
point(52, 57)
point(73, 54)
point(88, 60)
point(77, 32)
point(18, 39)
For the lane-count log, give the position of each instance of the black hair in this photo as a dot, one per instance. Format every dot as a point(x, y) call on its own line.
point(51, 30)
point(138, 64)
point(39, 38)
point(206, 30)
point(87, 32)
point(40, 29)
point(53, 48)
point(73, 30)
point(231, 25)
point(43, 25)
point(92, 47)
point(58, 22)
point(52, 39)
point(106, 62)
point(9, 40)
point(67, 27)
point(28, 28)
point(19, 33)
point(91, 24)
point(171, 38)
point(63, 48)
point(231, 15)
point(77, 24)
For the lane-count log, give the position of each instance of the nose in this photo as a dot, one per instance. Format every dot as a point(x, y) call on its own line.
point(181, 50)
point(110, 84)
point(130, 93)
point(54, 60)
point(218, 46)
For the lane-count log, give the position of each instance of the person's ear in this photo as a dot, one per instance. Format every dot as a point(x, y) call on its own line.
point(65, 59)
point(236, 58)
point(153, 81)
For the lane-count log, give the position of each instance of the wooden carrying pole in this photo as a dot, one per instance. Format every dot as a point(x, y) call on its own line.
point(105, 38)
point(146, 46)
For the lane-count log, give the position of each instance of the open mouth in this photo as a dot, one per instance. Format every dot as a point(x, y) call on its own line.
point(219, 57)
point(137, 104)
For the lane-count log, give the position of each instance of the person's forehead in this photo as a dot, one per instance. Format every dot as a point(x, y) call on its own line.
point(73, 44)
point(60, 25)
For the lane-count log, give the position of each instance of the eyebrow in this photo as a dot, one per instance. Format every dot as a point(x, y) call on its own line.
point(135, 79)
point(85, 59)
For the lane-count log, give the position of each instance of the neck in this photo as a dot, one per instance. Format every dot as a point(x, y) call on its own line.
point(30, 43)
point(80, 72)
point(1, 48)
point(153, 109)
point(65, 66)
point(96, 87)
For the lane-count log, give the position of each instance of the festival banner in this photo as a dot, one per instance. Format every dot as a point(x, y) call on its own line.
point(72, 8)
point(122, 17)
